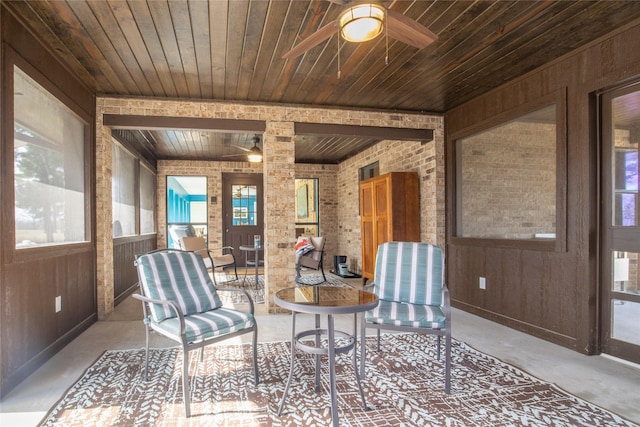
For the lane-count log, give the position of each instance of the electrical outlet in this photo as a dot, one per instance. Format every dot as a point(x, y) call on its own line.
point(483, 283)
point(58, 304)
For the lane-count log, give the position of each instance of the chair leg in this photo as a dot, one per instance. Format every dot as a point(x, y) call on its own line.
point(363, 345)
point(447, 364)
point(378, 341)
point(146, 353)
point(297, 280)
point(324, 278)
point(438, 347)
point(185, 381)
point(256, 375)
point(213, 273)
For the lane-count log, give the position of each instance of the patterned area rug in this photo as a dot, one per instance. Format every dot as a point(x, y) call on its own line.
point(404, 386)
point(257, 292)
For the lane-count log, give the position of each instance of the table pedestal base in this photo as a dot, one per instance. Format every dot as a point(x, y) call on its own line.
point(331, 351)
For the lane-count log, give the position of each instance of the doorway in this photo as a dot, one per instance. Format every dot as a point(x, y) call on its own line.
point(620, 251)
point(186, 208)
point(242, 211)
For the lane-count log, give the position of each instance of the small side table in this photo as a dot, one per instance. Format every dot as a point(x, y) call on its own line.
point(248, 262)
point(329, 300)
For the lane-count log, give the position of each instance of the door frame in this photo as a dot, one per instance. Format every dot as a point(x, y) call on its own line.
point(230, 179)
point(613, 238)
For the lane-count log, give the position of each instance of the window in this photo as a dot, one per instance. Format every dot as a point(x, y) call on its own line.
point(307, 215)
point(506, 179)
point(245, 205)
point(123, 192)
point(133, 193)
point(49, 167)
point(147, 201)
point(369, 171)
point(625, 161)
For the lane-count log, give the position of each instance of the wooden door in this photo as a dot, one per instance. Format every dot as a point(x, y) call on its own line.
point(382, 212)
point(242, 208)
point(367, 229)
point(375, 218)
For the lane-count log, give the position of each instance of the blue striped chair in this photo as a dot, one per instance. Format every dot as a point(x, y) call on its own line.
point(181, 303)
point(409, 282)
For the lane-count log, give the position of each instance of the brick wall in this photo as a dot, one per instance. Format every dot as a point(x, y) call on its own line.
point(338, 184)
point(508, 182)
point(427, 159)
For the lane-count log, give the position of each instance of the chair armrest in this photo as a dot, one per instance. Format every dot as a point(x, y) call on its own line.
point(222, 249)
point(170, 303)
point(446, 303)
point(243, 291)
point(368, 286)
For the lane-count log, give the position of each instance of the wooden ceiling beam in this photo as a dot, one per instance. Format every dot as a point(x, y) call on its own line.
point(158, 122)
point(363, 131)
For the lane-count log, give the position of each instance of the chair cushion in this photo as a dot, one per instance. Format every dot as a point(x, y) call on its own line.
point(409, 272)
point(212, 323)
point(401, 314)
point(303, 246)
point(180, 277)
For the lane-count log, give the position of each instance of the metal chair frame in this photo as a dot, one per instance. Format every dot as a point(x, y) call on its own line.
point(439, 332)
point(182, 339)
point(206, 251)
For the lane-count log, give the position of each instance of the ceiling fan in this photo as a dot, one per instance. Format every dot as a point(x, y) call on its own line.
point(254, 155)
point(360, 21)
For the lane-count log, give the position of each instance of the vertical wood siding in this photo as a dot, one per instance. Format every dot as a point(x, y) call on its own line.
point(548, 293)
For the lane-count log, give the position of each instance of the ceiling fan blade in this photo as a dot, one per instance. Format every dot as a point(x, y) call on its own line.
point(241, 148)
point(313, 40)
point(406, 30)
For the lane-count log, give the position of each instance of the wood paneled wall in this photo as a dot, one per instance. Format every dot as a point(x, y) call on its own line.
point(30, 279)
point(548, 292)
point(125, 250)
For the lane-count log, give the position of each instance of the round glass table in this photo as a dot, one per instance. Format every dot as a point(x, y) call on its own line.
point(329, 301)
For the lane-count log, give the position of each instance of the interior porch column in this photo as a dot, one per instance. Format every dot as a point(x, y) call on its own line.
point(279, 208)
point(104, 220)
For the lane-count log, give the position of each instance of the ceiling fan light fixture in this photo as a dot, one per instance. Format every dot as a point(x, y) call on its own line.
point(361, 22)
point(255, 155)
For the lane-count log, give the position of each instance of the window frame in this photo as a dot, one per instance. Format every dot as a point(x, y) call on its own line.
point(14, 254)
point(559, 244)
point(316, 207)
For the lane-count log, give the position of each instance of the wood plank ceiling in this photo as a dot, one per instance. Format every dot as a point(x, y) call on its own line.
point(232, 50)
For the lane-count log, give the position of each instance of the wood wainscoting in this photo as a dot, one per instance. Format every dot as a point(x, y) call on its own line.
point(548, 291)
point(125, 277)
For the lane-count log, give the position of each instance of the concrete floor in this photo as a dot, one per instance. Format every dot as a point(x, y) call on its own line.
point(607, 382)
